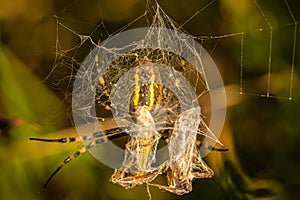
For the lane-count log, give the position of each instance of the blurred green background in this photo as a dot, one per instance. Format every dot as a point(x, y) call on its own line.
point(262, 133)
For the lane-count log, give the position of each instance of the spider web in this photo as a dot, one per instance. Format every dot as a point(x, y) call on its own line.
point(254, 44)
point(249, 55)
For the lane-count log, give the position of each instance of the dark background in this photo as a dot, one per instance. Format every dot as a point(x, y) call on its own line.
point(261, 132)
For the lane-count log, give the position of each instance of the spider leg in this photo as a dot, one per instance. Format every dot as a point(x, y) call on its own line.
point(212, 148)
point(108, 133)
point(208, 134)
point(60, 140)
point(66, 160)
point(95, 138)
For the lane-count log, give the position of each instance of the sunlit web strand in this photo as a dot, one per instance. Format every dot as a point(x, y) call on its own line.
point(294, 48)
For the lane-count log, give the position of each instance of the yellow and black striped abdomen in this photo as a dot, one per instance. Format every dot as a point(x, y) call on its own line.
point(148, 88)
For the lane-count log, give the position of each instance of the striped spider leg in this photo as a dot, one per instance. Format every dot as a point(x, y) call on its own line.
point(122, 175)
point(149, 106)
point(94, 138)
point(142, 143)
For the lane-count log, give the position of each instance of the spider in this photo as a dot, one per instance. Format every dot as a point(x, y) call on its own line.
point(150, 105)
